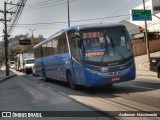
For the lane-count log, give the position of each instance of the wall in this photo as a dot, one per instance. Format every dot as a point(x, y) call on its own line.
point(139, 48)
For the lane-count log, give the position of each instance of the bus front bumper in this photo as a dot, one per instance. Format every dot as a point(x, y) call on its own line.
point(102, 80)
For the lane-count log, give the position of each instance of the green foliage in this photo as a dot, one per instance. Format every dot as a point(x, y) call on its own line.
point(40, 38)
point(16, 38)
point(25, 49)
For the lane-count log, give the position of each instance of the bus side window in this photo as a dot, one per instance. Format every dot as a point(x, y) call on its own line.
point(44, 48)
point(49, 48)
point(55, 48)
point(38, 54)
point(35, 53)
point(74, 46)
point(63, 43)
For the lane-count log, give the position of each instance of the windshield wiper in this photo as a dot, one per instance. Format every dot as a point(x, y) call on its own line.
point(113, 46)
point(106, 50)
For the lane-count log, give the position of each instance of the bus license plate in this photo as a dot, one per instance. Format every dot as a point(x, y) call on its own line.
point(115, 79)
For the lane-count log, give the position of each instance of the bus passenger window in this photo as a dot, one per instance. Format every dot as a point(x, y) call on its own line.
point(63, 42)
point(49, 48)
point(44, 49)
point(55, 46)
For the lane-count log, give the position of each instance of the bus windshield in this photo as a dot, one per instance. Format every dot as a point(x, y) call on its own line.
point(106, 45)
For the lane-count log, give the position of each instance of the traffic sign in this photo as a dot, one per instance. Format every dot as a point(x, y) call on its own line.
point(25, 41)
point(141, 15)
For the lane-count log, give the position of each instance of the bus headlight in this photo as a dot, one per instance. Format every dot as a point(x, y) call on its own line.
point(92, 71)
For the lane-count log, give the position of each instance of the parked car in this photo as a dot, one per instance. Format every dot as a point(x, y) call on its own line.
point(12, 64)
point(155, 65)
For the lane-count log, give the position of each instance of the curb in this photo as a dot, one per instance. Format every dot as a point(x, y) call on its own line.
point(146, 75)
point(8, 77)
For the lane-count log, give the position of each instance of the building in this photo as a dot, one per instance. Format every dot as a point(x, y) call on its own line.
point(154, 25)
point(132, 28)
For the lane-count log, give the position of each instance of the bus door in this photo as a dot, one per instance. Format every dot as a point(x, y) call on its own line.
point(76, 59)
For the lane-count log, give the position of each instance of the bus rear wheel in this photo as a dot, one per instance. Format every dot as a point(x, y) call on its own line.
point(71, 81)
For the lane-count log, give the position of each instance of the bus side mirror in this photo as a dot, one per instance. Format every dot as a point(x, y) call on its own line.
point(77, 35)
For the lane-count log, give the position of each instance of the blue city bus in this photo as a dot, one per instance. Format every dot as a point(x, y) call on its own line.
point(89, 55)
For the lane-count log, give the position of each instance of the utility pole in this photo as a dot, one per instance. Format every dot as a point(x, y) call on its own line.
point(6, 42)
point(68, 14)
point(6, 39)
point(146, 35)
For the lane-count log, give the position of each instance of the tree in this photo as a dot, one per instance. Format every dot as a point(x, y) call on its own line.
point(15, 48)
point(40, 38)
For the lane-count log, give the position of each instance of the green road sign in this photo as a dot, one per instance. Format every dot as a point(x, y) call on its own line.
point(140, 15)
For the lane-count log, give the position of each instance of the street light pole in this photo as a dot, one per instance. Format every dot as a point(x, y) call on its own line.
point(68, 14)
point(146, 35)
point(32, 38)
point(32, 31)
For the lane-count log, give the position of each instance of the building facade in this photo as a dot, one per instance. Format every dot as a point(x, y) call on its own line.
point(154, 25)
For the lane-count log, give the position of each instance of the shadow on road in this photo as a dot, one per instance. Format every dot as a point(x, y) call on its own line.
point(119, 88)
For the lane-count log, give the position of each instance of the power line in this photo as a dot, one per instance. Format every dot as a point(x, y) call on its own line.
point(122, 8)
point(40, 4)
point(129, 7)
point(126, 7)
point(48, 6)
point(37, 27)
point(76, 20)
point(16, 16)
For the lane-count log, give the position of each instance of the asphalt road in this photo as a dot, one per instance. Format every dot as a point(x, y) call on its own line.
point(140, 94)
point(32, 93)
point(20, 93)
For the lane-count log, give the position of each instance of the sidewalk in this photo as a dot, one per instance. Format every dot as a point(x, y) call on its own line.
point(142, 65)
point(4, 77)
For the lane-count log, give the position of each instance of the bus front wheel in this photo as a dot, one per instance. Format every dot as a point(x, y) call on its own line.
point(158, 72)
point(71, 80)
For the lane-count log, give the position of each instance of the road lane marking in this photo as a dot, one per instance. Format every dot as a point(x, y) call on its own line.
point(38, 96)
point(142, 87)
point(41, 84)
point(62, 93)
point(49, 88)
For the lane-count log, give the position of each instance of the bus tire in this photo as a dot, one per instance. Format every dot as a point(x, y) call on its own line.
point(71, 81)
point(44, 75)
point(26, 71)
point(158, 72)
point(33, 74)
point(110, 84)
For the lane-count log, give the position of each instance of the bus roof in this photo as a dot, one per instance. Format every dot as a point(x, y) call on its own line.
point(82, 27)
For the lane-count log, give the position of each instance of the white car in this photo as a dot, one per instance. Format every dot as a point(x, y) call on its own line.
point(12, 64)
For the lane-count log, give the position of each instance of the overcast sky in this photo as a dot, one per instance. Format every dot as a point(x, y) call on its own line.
point(53, 13)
